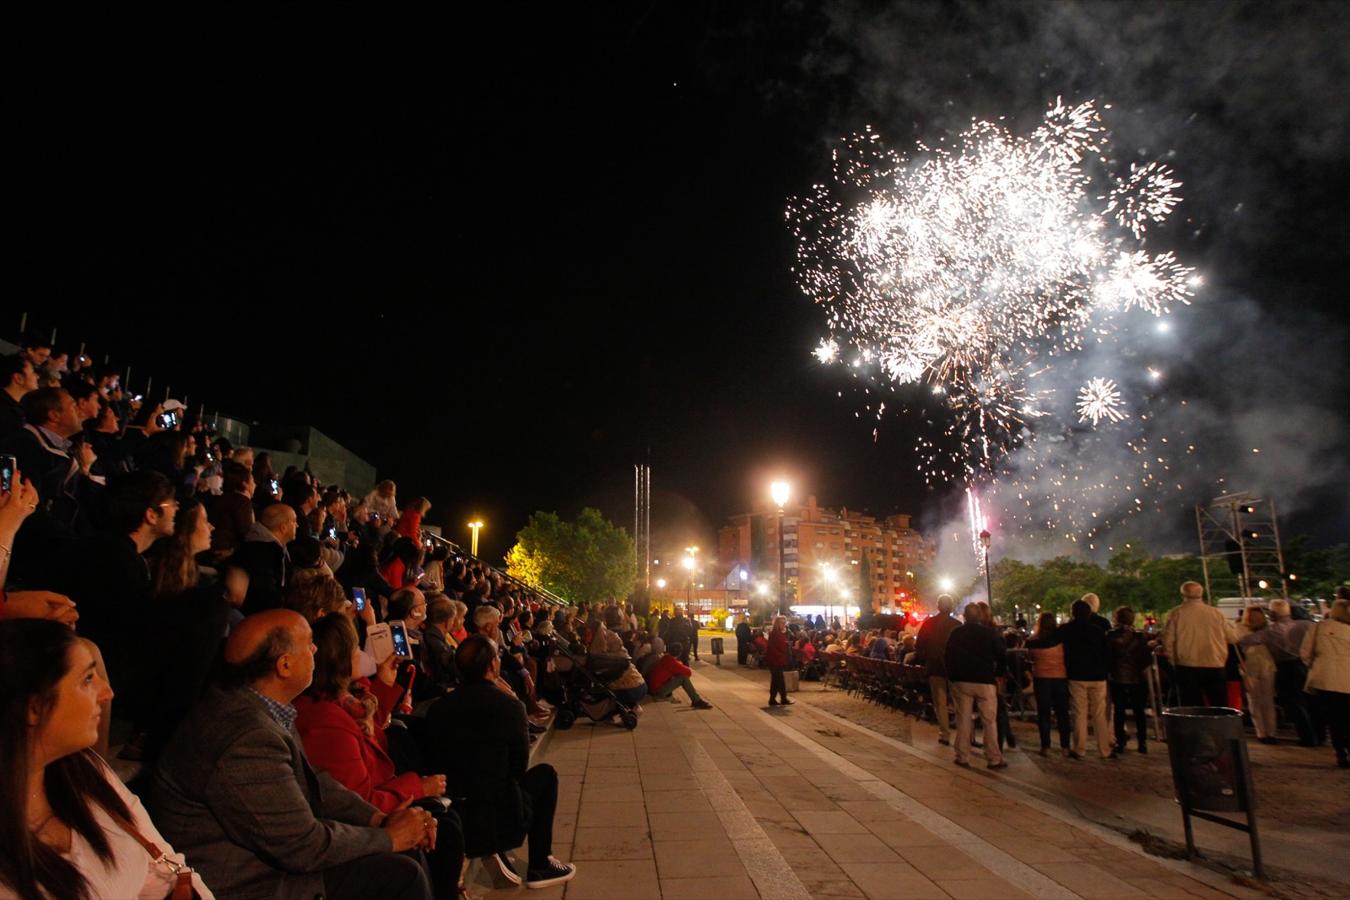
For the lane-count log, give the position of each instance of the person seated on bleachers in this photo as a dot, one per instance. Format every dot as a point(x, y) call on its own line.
point(232, 512)
point(17, 379)
point(51, 448)
point(235, 791)
point(439, 644)
point(342, 722)
point(264, 555)
point(72, 829)
point(668, 673)
point(479, 737)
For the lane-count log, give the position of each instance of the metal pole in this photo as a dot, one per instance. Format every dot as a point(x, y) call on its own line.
point(988, 579)
point(782, 568)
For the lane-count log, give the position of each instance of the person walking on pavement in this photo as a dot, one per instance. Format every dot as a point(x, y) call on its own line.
point(975, 654)
point(1085, 660)
point(743, 639)
point(1196, 638)
point(929, 650)
point(1258, 673)
point(776, 658)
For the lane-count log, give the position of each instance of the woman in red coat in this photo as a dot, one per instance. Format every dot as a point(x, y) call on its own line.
point(410, 521)
point(341, 724)
point(776, 658)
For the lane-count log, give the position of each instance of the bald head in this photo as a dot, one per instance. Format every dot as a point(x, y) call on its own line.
point(271, 652)
point(1093, 601)
point(280, 520)
point(945, 603)
point(1192, 590)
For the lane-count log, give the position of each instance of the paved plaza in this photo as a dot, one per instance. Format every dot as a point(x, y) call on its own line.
point(746, 802)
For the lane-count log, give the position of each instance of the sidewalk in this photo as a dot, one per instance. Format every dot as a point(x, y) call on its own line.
point(743, 802)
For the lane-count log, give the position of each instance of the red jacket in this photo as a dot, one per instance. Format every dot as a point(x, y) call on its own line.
point(335, 743)
point(409, 524)
point(394, 573)
point(776, 656)
point(666, 668)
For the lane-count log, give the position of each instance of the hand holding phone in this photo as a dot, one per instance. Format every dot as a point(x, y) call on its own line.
point(399, 635)
point(359, 598)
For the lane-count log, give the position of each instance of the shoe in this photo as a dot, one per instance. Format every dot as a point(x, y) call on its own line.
point(537, 729)
point(1268, 740)
point(773, 702)
point(702, 704)
point(1112, 755)
point(1143, 748)
point(556, 873)
point(946, 742)
point(786, 702)
point(1002, 764)
point(507, 867)
point(962, 763)
point(1073, 755)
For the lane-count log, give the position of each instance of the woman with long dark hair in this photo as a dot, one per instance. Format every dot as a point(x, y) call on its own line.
point(1050, 681)
point(68, 827)
point(776, 658)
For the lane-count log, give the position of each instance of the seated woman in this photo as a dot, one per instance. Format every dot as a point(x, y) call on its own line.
point(342, 725)
point(73, 830)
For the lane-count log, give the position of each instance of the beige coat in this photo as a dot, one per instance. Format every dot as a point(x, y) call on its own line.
point(1197, 634)
point(1326, 650)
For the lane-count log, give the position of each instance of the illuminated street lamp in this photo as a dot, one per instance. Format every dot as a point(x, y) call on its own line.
point(780, 491)
point(985, 540)
point(661, 583)
point(473, 543)
point(689, 564)
point(946, 584)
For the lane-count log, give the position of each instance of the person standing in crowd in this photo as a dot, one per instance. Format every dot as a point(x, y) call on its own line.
point(930, 651)
point(743, 639)
point(72, 829)
point(18, 378)
point(1129, 657)
point(776, 658)
point(478, 735)
point(1291, 675)
point(1258, 673)
point(679, 631)
point(383, 502)
point(409, 523)
point(1050, 681)
point(1196, 638)
point(235, 791)
point(1085, 661)
point(1098, 619)
point(1326, 652)
point(974, 657)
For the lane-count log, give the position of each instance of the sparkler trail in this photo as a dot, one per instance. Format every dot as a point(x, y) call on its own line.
point(975, 269)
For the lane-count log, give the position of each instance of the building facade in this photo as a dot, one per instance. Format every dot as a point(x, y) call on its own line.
point(832, 559)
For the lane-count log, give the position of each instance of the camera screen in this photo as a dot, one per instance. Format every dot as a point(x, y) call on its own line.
point(6, 473)
point(359, 596)
point(400, 636)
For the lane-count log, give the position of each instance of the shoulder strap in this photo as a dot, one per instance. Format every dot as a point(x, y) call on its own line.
point(182, 888)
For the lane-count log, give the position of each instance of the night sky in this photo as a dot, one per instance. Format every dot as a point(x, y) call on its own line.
point(505, 255)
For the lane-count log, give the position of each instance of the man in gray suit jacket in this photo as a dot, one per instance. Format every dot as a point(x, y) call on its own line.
point(234, 790)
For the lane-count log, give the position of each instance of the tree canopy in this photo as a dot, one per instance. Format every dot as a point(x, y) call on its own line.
point(586, 561)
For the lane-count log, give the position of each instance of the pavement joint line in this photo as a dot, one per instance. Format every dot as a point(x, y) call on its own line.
point(1202, 874)
point(1022, 794)
point(764, 863)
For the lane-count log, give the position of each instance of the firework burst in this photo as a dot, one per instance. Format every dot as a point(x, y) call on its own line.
point(1099, 399)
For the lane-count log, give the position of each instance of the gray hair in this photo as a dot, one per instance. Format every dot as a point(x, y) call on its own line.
point(486, 614)
point(1279, 608)
point(1092, 600)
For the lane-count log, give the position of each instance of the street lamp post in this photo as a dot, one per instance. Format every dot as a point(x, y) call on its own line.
point(780, 490)
point(985, 539)
point(689, 565)
point(473, 542)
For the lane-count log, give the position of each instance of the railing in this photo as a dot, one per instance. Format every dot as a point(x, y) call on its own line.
point(542, 593)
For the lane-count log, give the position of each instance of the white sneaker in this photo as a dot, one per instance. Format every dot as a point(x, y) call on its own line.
point(507, 867)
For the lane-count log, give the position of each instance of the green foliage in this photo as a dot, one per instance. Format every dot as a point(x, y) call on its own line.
point(586, 561)
point(1131, 578)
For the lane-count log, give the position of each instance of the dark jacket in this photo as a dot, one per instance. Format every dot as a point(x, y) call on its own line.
point(269, 569)
point(234, 792)
point(11, 416)
point(479, 738)
point(930, 647)
point(232, 516)
point(1128, 655)
point(438, 660)
point(65, 494)
point(975, 654)
point(1085, 652)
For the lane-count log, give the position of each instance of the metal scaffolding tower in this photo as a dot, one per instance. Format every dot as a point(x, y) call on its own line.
point(1240, 547)
point(642, 524)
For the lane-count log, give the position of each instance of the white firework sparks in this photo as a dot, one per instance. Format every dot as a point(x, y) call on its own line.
point(972, 268)
point(1099, 399)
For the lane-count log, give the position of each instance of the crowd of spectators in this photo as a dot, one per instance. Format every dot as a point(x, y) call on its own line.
point(315, 696)
point(1089, 677)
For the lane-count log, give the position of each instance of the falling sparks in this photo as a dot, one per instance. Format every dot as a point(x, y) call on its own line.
point(972, 268)
point(1099, 399)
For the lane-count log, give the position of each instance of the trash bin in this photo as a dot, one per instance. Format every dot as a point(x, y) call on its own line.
point(1205, 769)
point(717, 650)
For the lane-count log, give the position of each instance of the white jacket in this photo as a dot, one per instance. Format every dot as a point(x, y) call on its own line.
point(1326, 650)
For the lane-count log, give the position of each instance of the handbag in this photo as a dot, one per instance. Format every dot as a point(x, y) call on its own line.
point(182, 886)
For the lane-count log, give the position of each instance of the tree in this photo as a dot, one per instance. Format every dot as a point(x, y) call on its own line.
point(586, 561)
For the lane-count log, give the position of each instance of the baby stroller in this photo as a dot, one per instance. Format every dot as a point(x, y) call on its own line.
point(585, 691)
